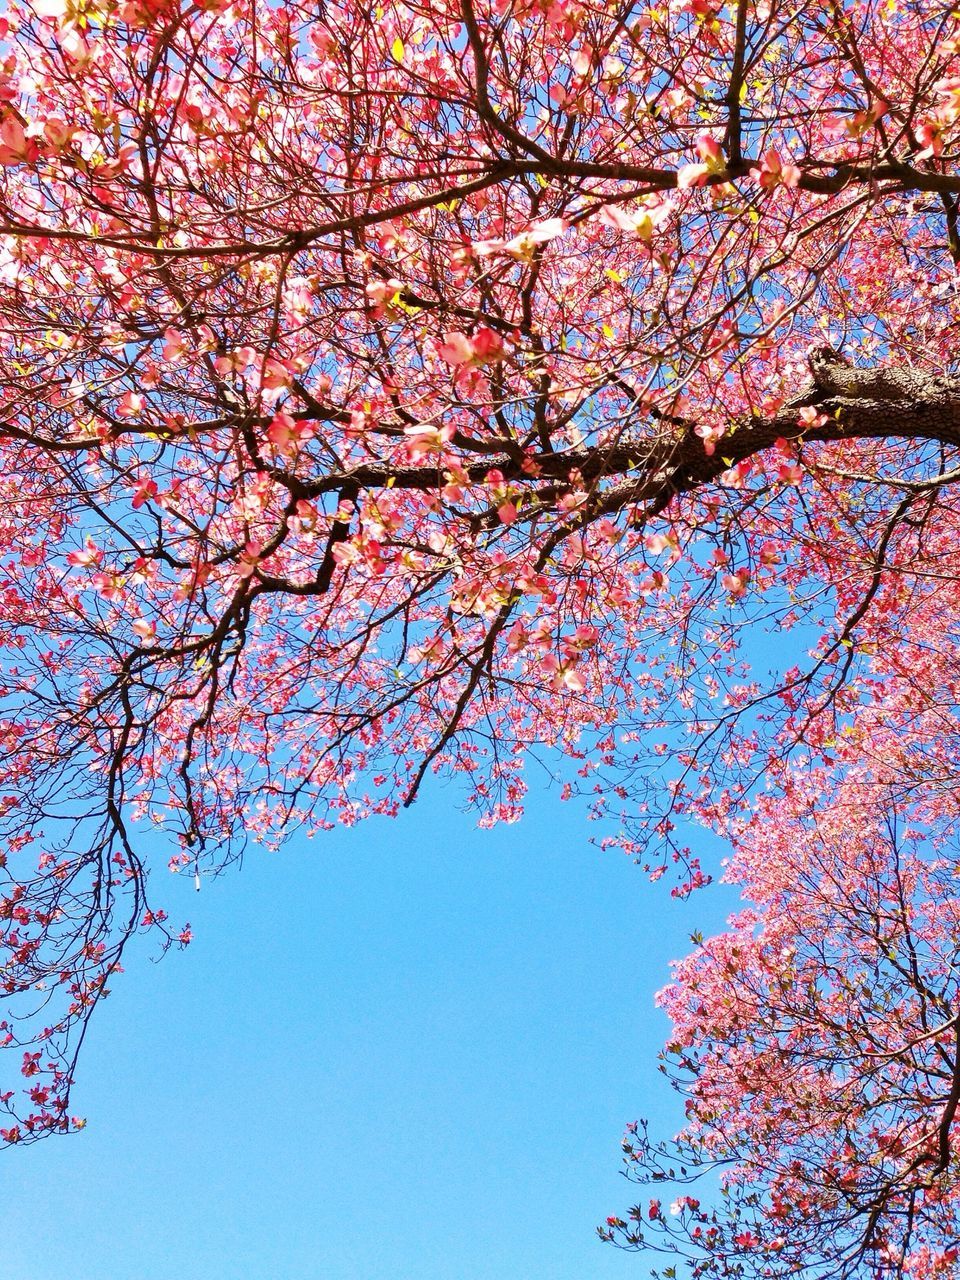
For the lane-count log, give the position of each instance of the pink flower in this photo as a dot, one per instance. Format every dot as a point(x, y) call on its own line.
point(456, 348)
point(861, 121)
point(930, 133)
point(811, 417)
point(774, 173)
point(709, 149)
point(769, 554)
point(247, 564)
point(735, 476)
point(384, 297)
point(522, 246)
point(306, 516)
point(692, 175)
point(573, 680)
point(235, 361)
point(147, 631)
point(654, 582)
point(131, 404)
point(615, 215)
point(684, 1202)
point(517, 638)
point(174, 344)
point(651, 215)
point(54, 10)
point(277, 374)
point(585, 636)
point(710, 437)
point(712, 163)
point(286, 434)
point(482, 348)
point(107, 585)
point(346, 554)
point(57, 133)
point(107, 170)
point(950, 89)
point(560, 675)
point(15, 146)
point(90, 555)
point(423, 439)
point(144, 491)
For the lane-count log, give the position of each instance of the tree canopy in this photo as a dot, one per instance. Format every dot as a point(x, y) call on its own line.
point(461, 385)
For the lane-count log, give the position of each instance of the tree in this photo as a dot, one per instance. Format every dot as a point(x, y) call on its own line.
point(817, 1046)
point(437, 386)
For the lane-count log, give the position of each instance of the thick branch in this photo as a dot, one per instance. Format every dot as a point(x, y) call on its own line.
point(855, 404)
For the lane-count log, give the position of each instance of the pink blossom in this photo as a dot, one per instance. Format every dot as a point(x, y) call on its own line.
point(774, 173)
point(249, 558)
point(277, 374)
point(811, 417)
point(692, 175)
point(930, 133)
point(146, 630)
point(174, 344)
point(90, 555)
point(523, 246)
point(711, 436)
point(480, 349)
point(145, 490)
point(15, 146)
point(235, 361)
point(423, 439)
point(287, 434)
point(130, 405)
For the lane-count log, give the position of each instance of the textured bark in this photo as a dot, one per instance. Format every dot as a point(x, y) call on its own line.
point(896, 403)
point(833, 375)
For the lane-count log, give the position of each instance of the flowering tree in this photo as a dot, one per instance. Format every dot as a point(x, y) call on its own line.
point(394, 390)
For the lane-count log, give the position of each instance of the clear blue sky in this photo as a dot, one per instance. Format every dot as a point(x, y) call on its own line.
point(401, 1052)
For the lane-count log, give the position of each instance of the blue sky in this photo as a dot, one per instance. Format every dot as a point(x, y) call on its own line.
point(401, 1052)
